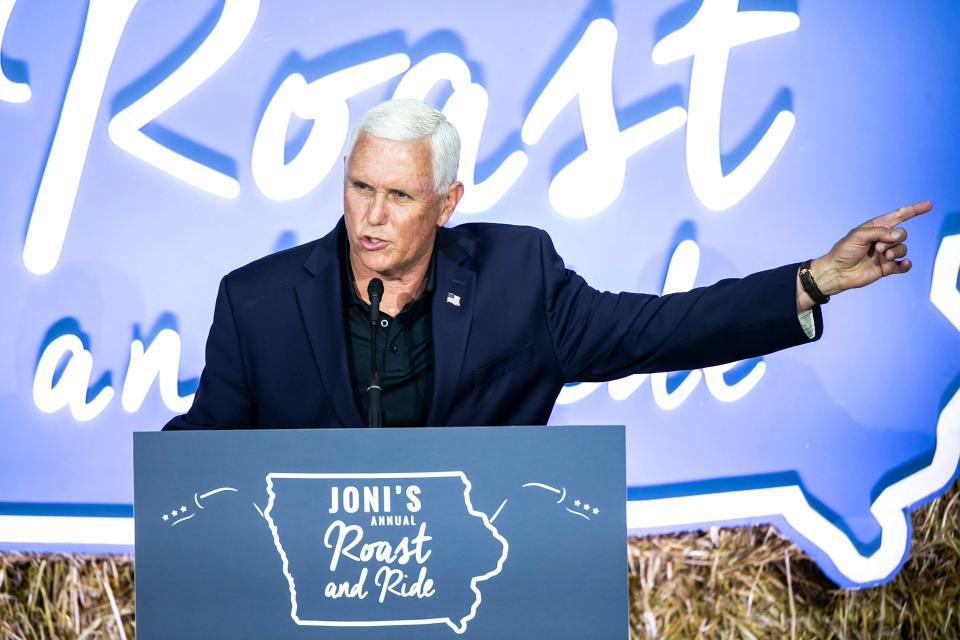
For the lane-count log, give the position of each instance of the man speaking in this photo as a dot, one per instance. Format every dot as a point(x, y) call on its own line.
point(479, 324)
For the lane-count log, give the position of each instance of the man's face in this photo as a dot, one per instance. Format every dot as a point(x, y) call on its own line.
point(391, 207)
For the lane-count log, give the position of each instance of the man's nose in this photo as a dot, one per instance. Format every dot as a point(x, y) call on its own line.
point(377, 213)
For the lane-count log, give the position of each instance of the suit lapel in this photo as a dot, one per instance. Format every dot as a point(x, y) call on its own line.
point(321, 305)
point(452, 310)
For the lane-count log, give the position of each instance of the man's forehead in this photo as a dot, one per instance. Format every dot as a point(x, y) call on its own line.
point(393, 159)
point(417, 150)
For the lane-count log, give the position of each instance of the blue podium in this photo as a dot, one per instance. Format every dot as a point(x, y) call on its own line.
point(472, 532)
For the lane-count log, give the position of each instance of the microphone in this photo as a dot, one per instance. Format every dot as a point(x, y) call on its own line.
point(375, 293)
point(375, 415)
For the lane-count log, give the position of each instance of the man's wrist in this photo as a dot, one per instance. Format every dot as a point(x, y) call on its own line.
point(826, 277)
point(826, 282)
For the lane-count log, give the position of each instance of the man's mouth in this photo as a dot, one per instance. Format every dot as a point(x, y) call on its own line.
point(372, 244)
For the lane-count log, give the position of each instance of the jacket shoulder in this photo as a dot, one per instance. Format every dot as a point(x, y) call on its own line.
point(496, 231)
point(486, 239)
point(276, 271)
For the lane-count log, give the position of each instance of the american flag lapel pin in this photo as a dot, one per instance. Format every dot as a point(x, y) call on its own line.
point(453, 299)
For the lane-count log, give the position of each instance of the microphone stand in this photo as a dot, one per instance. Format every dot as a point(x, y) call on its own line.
point(375, 415)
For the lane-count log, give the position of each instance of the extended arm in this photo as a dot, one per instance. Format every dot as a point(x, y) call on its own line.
point(603, 336)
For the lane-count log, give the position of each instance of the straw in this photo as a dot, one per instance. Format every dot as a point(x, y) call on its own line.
point(726, 583)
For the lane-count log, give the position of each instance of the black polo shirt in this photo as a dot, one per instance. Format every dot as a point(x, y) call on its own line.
point(404, 351)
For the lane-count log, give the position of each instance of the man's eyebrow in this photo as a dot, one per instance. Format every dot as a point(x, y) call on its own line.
point(356, 182)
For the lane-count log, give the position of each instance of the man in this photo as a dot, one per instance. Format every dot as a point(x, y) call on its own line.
point(480, 324)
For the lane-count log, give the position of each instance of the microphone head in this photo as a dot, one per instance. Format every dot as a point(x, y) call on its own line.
point(375, 289)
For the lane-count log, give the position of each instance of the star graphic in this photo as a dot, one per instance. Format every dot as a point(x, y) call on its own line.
point(596, 511)
point(183, 509)
point(586, 506)
point(174, 513)
point(576, 503)
point(165, 517)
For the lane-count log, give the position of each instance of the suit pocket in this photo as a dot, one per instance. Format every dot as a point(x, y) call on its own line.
point(504, 364)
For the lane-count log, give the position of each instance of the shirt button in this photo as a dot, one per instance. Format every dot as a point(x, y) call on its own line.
point(384, 323)
point(393, 348)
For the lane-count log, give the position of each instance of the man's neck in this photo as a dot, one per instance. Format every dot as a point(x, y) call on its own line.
point(398, 290)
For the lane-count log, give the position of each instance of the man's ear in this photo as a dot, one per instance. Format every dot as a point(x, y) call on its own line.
point(450, 200)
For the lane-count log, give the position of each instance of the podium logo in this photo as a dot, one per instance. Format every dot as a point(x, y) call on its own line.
point(382, 549)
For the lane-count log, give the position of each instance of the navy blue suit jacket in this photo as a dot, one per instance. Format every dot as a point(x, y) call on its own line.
point(525, 325)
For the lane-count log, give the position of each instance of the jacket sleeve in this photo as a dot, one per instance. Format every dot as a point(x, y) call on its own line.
point(599, 336)
point(222, 400)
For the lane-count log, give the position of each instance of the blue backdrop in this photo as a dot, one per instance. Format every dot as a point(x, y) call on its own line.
point(150, 147)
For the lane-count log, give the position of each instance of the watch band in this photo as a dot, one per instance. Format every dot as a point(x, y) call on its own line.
point(810, 285)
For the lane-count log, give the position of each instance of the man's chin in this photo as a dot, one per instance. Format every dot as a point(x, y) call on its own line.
point(381, 268)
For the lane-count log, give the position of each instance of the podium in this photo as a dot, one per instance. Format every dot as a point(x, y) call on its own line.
point(455, 532)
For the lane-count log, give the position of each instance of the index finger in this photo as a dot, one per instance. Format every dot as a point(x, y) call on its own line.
point(902, 214)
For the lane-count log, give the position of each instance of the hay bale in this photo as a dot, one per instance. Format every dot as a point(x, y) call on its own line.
point(724, 583)
point(751, 583)
point(66, 596)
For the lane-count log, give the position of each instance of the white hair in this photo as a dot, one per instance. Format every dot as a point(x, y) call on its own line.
point(407, 119)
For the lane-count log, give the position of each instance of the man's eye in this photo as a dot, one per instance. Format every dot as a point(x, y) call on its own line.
point(400, 195)
point(362, 186)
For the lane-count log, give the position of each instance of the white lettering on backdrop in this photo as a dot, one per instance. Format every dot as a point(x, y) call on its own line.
point(321, 101)
point(228, 34)
point(10, 91)
point(707, 38)
point(161, 362)
point(70, 389)
point(53, 206)
point(592, 182)
point(586, 76)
